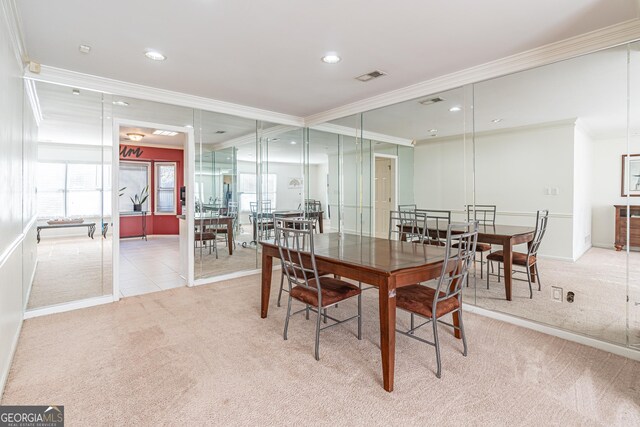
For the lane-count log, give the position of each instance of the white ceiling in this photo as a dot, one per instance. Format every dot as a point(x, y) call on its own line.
point(267, 54)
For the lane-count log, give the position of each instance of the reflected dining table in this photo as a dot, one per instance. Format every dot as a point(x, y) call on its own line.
point(385, 264)
point(506, 236)
point(227, 221)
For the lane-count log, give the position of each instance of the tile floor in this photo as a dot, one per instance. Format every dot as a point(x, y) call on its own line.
point(149, 266)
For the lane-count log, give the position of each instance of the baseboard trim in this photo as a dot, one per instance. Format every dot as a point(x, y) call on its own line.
point(623, 351)
point(5, 375)
point(230, 276)
point(69, 306)
point(33, 276)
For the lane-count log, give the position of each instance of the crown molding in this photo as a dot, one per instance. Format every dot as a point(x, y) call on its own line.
point(565, 49)
point(12, 19)
point(349, 131)
point(117, 87)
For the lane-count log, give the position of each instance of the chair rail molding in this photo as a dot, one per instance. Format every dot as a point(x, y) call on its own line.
point(572, 47)
point(117, 87)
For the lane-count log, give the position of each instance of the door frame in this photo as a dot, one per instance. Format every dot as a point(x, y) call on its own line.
point(189, 180)
point(394, 204)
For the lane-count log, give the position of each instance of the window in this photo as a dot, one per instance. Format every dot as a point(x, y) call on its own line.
point(247, 189)
point(134, 178)
point(165, 180)
point(70, 189)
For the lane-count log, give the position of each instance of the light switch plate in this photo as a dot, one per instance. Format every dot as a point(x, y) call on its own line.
point(557, 293)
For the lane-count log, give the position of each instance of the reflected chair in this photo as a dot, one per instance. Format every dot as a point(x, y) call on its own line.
point(437, 222)
point(232, 212)
point(434, 303)
point(406, 226)
point(485, 215)
point(529, 260)
point(409, 207)
point(294, 239)
point(262, 221)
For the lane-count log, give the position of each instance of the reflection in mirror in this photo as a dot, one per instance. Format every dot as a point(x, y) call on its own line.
point(323, 181)
point(72, 180)
point(225, 180)
point(633, 183)
point(552, 138)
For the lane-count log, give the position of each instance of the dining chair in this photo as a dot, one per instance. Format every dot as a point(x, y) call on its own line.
point(527, 260)
point(406, 225)
point(263, 219)
point(294, 240)
point(437, 222)
point(408, 207)
point(486, 217)
point(433, 303)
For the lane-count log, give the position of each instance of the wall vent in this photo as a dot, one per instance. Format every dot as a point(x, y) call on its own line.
point(430, 101)
point(370, 76)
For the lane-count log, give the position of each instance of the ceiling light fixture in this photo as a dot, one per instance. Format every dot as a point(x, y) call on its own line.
point(135, 136)
point(433, 130)
point(293, 143)
point(155, 55)
point(331, 58)
point(455, 109)
point(496, 120)
point(120, 103)
point(189, 126)
point(84, 48)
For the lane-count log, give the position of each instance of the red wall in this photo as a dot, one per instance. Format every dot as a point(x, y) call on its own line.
point(156, 224)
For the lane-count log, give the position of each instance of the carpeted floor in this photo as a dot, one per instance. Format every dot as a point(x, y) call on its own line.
point(203, 356)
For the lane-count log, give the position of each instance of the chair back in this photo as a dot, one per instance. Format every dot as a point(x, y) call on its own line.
point(437, 222)
point(232, 210)
point(460, 248)
point(294, 239)
point(542, 217)
point(406, 225)
point(409, 207)
point(483, 214)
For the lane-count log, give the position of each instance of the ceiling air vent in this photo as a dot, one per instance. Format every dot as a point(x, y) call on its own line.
point(370, 76)
point(430, 101)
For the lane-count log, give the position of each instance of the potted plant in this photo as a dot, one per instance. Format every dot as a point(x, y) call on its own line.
point(138, 200)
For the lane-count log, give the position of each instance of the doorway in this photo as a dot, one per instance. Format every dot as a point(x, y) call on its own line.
point(385, 190)
point(150, 230)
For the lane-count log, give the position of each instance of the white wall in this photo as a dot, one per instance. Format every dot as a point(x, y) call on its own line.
point(512, 170)
point(606, 171)
point(15, 219)
point(582, 191)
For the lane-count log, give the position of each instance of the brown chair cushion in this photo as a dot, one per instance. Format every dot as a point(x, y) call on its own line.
point(480, 247)
point(517, 258)
point(205, 236)
point(333, 291)
point(419, 299)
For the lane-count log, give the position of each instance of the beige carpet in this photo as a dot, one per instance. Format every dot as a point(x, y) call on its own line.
point(598, 280)
point(71, 269)
point(203, 356)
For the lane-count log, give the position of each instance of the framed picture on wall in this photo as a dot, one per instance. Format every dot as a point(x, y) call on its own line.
point(631, 175)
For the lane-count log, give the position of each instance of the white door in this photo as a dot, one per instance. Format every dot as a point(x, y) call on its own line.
point(383, 195)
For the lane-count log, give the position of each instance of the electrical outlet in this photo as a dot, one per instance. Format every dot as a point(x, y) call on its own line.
point(557, 293)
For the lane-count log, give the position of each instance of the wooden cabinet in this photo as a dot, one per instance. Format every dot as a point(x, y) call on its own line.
point(621, 226)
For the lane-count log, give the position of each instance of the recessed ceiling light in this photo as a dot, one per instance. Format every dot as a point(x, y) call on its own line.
point(164, 132)
point(76, 91)
point(84, 48)
point(155, 55)
point(454, 109)
point(293, 143)
point(331, 58)
point(135, 136)
point(188, 126)
point(496, 120)
point(228, 158)
point(120, 103)
point(433, 130)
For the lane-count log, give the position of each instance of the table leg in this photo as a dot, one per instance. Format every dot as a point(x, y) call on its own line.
point(38, 235)
point(320, 224)
point(507, 249)
point(230, 236)
point(92, 229)
point(267, 267)
point(387, 302)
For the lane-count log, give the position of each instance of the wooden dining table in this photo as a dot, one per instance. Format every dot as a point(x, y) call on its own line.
point(385, 264)
point(506, 236)
point(227, 221)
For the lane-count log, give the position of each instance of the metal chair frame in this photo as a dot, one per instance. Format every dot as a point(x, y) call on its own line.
point(462, 242)
point(485, 215)
point(542, 218)
point(294, 239)
point(442, 219)
point(400, 221)
point(212, 228)
point(263, 219)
